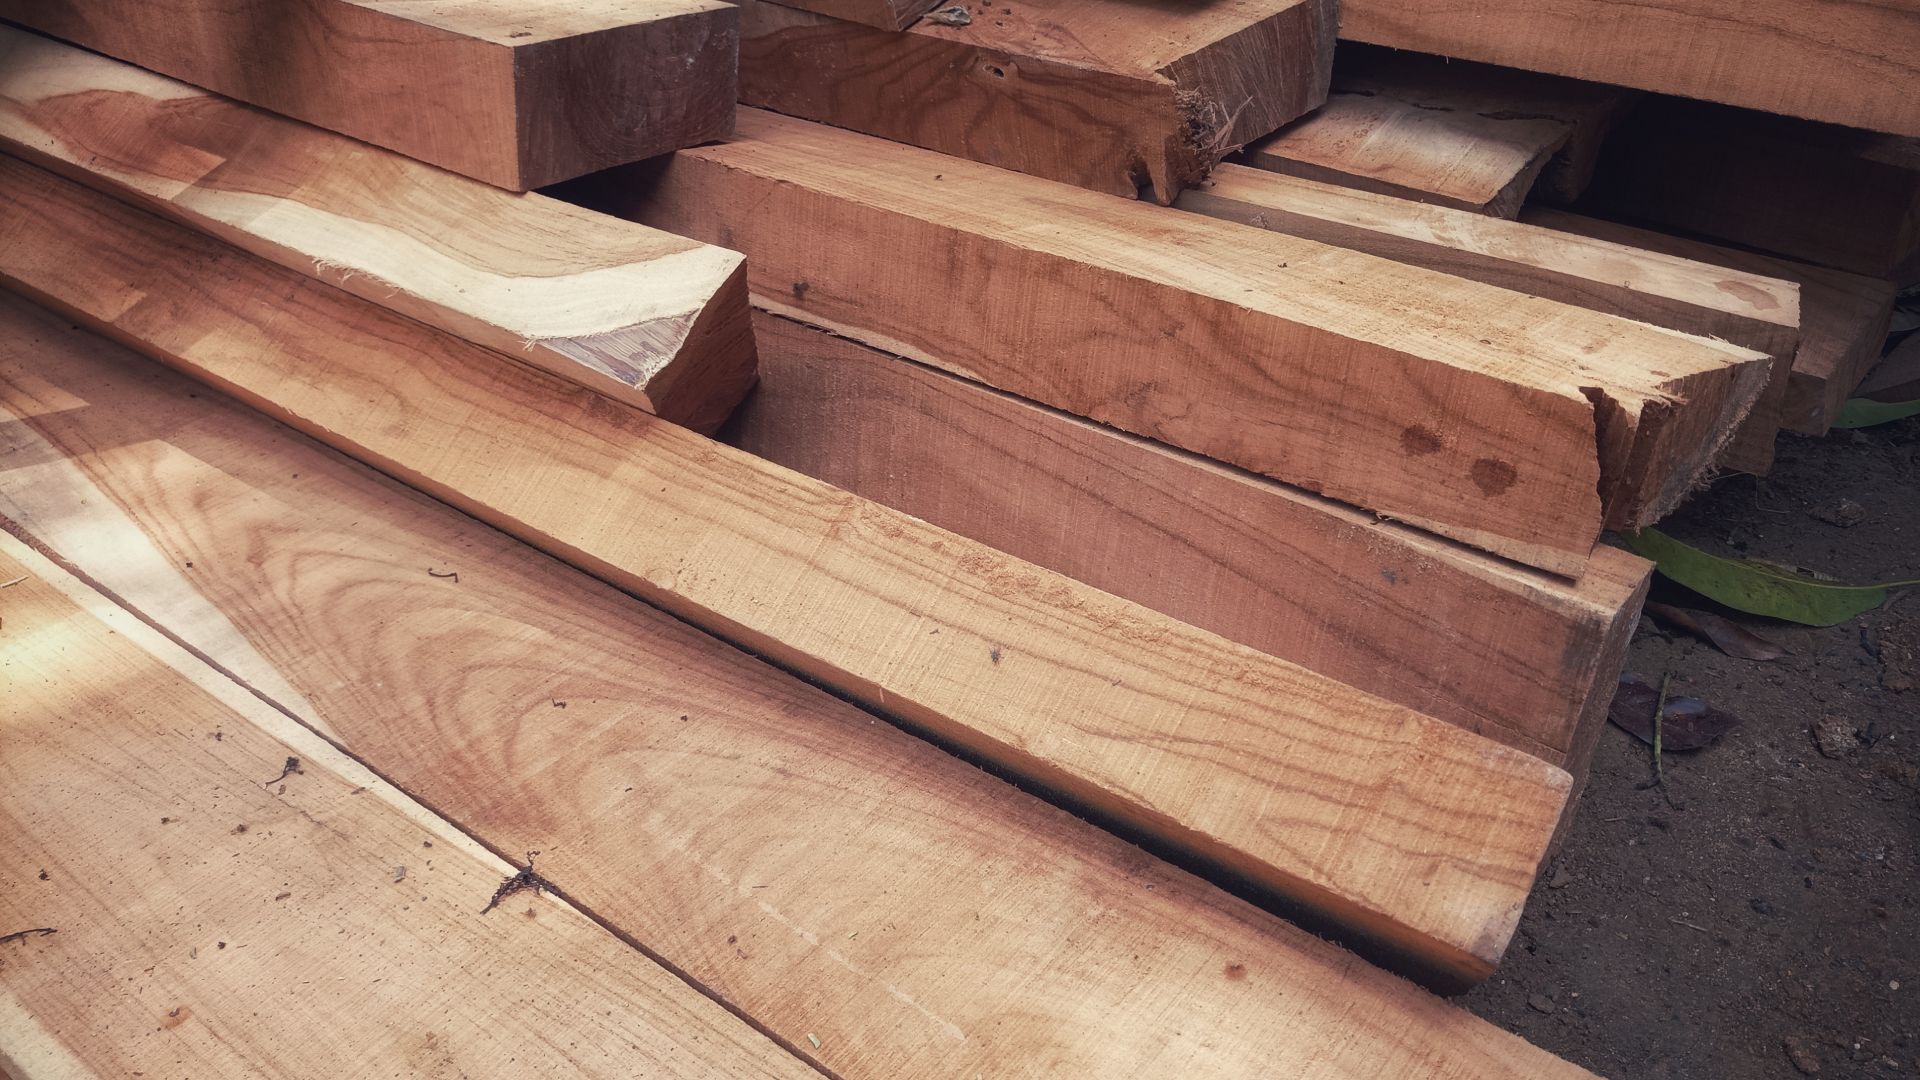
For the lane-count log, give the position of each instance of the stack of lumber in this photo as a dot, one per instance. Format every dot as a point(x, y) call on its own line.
point(932, 572)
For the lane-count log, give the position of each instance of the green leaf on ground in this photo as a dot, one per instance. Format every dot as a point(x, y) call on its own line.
point(1866, 412)
point(1758, 588)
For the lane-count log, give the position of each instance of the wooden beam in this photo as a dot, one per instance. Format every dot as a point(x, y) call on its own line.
point(1514, 654)
point(1832, 196)
point(1390, 387)
point(816, 870)
point(144, 829)
point(1746, 309)
point(514, 94)
point(1103, 94)
point(1462, 135)
point(1115, 706)
point(1846, 62)
point(654, 320)
point(1843, 317)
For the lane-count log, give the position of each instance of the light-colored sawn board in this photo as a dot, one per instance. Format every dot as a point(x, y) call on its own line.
point(1515, 424)
point(1747, 309)
point(229, 895)
point(1843, 317)
point(1512, 653)
point(1101, 94)
point(884, 907)
point(652, 319)
point(516, 93)
point(1844, 61)
point(1260, 767)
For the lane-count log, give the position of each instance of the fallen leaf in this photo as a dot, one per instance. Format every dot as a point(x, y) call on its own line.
point(1758, 588)
point(1725, 634)
point(1687, 724)
point(1866, 412)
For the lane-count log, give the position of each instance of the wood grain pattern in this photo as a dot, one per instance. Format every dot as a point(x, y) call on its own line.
point(882, 14)
point(824, 873)
point(1463, 135)
point(1828, 195)
point(1846, 61)
point(1746, 309)
point(1101, 94)
point(651, 319)
point(1514, 654)
point(1391, 387)
point(1843, 317)
point(518, 94)
point(209, 923)
point(1313, 789)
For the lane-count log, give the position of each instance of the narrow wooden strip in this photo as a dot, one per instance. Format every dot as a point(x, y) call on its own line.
point(1746, 309)
point(1846, 61)
point(881, 14)
point(826, 874)
point(1312, 788)
point(652, 319)
point(1511, 653)
point(1472, 411)
point(209, 919)
point(1843, 317)
point(516, 94)
point(1103, 94)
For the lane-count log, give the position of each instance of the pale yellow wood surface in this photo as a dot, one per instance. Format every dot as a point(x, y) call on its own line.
point(652, 319)
point(1399, 825)
point(822, 871)
point(211, 921)
point(1516, 424)
point(1844, 61)
point(1103, 94)
point(515, 93)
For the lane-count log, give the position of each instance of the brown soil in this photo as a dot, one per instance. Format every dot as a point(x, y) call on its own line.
point(1762, 916)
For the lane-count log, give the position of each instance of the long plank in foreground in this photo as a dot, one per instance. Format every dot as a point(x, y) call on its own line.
point(1843, 317)
point(208, 920)
point(1514, 654)
point(652, 319)
point(826, 874)
point(1747, 309)
point(1264, 769)
point(1104, 95)
point(1463, 135)
point(1515, 424)
point(514, 93)
point(1844, 61)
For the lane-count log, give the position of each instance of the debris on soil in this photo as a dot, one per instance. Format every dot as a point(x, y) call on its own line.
point(1560, 878)
point(1686, 723)
point(1836, 738)
point(1723, 633)
point(1900, 654)
point(1844, 513)
point(1541, 1003)
point(1802, 1057)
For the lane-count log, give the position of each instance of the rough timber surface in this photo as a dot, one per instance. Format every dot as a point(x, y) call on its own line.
point(652, 319)
point(883, 907)
point(1843, 61)
point(1101, 94)
point(1390, 387)
point(1512, 653)
point(1253, 765)
point(208, 920)
point(516, 93)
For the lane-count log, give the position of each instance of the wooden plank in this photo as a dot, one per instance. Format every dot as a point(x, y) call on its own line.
point(1511, 653)
point(518, 95)
point(1150, 720)
point(882, 14)
point(655, 320)
point(1102, 94)
point(1843, 317)
point(1463, 135)
point(1845, 62)
point(180, 886)
point(1746, 309)
point(1897, 376)
point(1827, 195)
point(1391, 387)
point(826, 874)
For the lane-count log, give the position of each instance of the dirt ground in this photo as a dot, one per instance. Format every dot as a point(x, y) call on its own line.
point(1760, 918)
